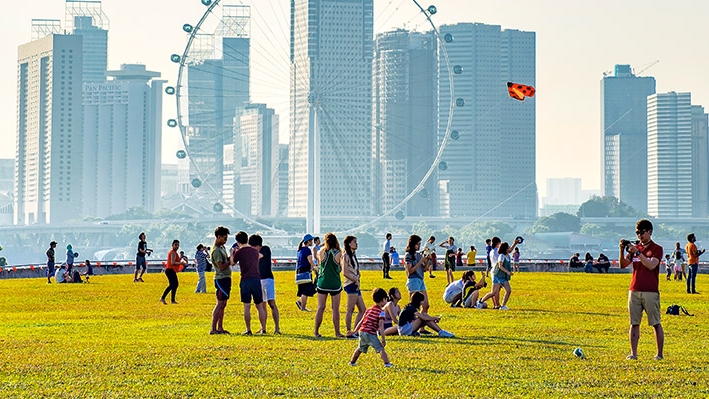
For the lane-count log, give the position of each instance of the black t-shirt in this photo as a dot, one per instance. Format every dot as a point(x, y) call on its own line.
point(264, 264)
point(407, 315)
point(142, 245)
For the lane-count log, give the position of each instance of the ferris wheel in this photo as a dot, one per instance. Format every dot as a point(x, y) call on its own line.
point(362, 93)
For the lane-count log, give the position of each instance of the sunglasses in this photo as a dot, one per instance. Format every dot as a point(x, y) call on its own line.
point(640, 232)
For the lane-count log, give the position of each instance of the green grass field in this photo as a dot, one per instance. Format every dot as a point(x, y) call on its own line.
point(112, 338)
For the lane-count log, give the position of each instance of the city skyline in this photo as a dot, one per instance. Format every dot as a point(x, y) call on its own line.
point(633, 33)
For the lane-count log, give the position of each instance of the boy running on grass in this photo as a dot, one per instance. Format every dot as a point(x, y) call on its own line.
point(371, 323)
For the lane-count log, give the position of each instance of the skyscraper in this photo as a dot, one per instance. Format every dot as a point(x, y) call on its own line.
point(405, 104)
point(700, 162)
point(48, 161)
point(122, 142)
point(331, 109)
point(488, 165)
point(669, 155)
point(624, 133)
point(256, 159)
point(87, 19)
point(217, 83)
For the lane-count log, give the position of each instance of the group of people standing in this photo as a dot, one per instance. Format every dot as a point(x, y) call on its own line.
point(65, 273)
point(676, 265)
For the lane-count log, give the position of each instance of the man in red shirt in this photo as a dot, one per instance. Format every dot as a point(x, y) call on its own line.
point(644, 294)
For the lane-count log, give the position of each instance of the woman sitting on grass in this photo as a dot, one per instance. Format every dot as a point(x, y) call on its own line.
point(410, 319)
point(391, 312)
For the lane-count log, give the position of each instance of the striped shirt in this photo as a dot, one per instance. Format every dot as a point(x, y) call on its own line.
point(370, 320)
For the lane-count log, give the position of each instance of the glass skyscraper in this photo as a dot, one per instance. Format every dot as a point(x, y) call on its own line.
point(624, 133)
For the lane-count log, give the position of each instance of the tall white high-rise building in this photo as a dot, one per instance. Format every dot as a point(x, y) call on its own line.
point(48, 160)
point(331, 103)
point(490, 168)
point(624, 134)
point(122, 142)
point(669, 155)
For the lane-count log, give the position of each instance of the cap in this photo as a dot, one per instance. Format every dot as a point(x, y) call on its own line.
point(53, 243)
point(307, 238)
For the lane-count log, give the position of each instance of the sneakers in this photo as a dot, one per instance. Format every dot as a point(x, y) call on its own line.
point(658, 357)
point(388, 365)
point(631, 357)
point(446, 334)
point(297, 303)
point(351, 363)
point(352, 336)
point(480, 305)
point(504, 308)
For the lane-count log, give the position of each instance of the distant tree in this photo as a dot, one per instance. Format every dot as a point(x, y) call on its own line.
point(476, 233)
point(607, 206)
point(132, 213)
point(558, 222)
point(421, 229)
point(594, 230)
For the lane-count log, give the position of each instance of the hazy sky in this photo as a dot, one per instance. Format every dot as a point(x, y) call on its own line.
point(576, 42)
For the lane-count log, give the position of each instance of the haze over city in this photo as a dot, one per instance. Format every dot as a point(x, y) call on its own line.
point(576, 43)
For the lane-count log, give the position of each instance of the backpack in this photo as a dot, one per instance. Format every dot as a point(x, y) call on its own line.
point(675, 309)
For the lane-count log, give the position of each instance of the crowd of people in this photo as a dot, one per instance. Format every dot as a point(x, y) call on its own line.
point(329, 269)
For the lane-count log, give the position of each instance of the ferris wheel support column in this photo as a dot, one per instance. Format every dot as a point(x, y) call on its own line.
point(313, 217)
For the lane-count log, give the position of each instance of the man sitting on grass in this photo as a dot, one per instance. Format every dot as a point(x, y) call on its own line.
point(455, 290)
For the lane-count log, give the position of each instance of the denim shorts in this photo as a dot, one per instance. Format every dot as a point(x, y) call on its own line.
point(499, 280)
point(415, 284)
point(268, 289)
point(406, 329)
point(353, 289)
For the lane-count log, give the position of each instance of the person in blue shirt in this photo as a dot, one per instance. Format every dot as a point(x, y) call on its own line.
point(394, 256)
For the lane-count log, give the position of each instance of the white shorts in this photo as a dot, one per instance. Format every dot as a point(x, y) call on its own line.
point(268, 287)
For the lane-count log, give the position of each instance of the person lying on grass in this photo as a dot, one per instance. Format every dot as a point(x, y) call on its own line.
point(410, 319)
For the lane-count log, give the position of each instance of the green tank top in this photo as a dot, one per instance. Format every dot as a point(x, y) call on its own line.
point(329, 276)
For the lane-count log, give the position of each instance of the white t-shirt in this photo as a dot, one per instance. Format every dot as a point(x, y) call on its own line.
point(59, 276)
point(494, 257)
point(429, 248)
point(452, 290)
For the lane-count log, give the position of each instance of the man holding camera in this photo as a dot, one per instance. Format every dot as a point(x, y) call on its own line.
point(644, 293)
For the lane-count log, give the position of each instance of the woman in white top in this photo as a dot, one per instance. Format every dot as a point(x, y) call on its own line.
point(350, 268)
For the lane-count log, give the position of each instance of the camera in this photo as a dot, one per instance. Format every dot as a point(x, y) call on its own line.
point(627, 243)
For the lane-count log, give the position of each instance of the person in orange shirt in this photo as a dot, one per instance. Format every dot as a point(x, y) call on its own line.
point(172, 267)
point(693, 260)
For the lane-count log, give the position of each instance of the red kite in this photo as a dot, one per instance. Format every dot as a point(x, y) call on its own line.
point(519, 92)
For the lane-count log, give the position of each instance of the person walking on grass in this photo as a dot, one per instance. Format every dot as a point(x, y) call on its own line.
point(268, 283)
point(305, 264)
point(350, 268)
point(644, 292)
point(173, 266)
point(222, 279)
point(250, 284)
point(329, 283)
point(140, 264)
point(50, 261)
point(386, 260)
point(200, 260)
point(501, 274)
point(369, 326)
point(693, 263)
point(429, 248)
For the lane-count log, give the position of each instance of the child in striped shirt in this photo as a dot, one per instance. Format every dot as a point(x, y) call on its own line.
point(372, 323)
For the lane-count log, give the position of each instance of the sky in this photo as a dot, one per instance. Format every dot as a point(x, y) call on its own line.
point(576, 42)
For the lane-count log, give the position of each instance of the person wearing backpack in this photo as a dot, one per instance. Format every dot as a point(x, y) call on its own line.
point(644, 293)
point(693, 261)
point(329, 282)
